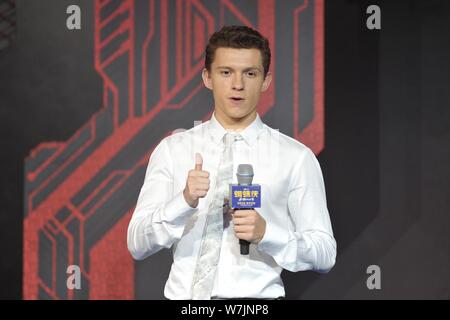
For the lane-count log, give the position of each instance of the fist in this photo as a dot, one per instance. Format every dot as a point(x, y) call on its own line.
point(248, 225)
point(197, 183)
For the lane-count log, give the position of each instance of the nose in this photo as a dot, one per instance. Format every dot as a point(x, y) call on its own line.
point(238, 84)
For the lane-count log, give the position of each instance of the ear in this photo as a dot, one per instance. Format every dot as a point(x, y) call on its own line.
point(207, 79)
point(266, 82)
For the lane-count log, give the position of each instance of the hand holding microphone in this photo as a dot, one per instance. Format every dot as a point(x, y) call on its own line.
point(249, 225)
point(197, 183)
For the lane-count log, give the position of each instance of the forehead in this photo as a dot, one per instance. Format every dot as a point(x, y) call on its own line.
point(237, 58)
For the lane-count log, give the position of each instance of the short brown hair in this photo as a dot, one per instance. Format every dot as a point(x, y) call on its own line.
point(238, 37)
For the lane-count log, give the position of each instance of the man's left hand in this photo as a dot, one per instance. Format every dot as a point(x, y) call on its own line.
point(248, 225)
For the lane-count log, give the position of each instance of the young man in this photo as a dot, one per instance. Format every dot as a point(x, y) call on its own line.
point(183, 203)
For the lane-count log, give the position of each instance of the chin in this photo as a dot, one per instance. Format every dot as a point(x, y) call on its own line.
point(237, 116)
point(238, 113)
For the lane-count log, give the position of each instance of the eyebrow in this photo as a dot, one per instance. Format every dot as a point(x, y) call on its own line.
point(246, 69)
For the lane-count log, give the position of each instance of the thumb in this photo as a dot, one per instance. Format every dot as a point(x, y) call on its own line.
point(198, 161)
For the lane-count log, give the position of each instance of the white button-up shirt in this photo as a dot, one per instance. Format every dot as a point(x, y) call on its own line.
point(298, 233)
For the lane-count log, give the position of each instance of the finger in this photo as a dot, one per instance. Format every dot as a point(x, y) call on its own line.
point(202, 180)
point(242, 229)
point(198, 161)
point(204, 174)
point(199, 174)
point(201, 193)
point(202, 186)
point(240, 221)
point(242, 236)
point(242, 213)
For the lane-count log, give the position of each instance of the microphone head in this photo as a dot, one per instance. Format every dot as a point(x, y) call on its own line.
point(245, 174)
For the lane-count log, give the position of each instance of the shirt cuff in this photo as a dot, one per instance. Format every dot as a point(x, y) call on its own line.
point(274, 240)
point(177, 210)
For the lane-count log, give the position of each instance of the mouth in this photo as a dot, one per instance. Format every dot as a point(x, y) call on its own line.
point(237, 100)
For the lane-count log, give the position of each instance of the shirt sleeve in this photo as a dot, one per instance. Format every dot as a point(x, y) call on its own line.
point(308, 243)
point(160, 216)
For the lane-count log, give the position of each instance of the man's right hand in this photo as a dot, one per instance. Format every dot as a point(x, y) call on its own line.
point(197, 183)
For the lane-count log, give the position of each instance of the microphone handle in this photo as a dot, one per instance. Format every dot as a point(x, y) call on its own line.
point(245, 246)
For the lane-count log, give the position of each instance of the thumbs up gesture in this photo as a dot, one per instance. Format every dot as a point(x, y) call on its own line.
point(197, 183)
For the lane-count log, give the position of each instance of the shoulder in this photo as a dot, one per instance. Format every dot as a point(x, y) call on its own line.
point(184, 137)
point(287, 144)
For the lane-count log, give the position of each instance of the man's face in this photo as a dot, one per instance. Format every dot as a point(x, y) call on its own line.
point(237, 80)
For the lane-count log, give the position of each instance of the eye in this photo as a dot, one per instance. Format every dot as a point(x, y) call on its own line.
point(225, 73)
point(251, 74)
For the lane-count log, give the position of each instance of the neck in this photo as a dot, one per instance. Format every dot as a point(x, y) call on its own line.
point(235, 124)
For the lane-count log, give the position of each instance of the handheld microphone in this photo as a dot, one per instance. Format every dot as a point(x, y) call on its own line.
point(245, 195)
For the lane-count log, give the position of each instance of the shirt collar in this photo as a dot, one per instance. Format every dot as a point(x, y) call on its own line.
point(249, 134)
